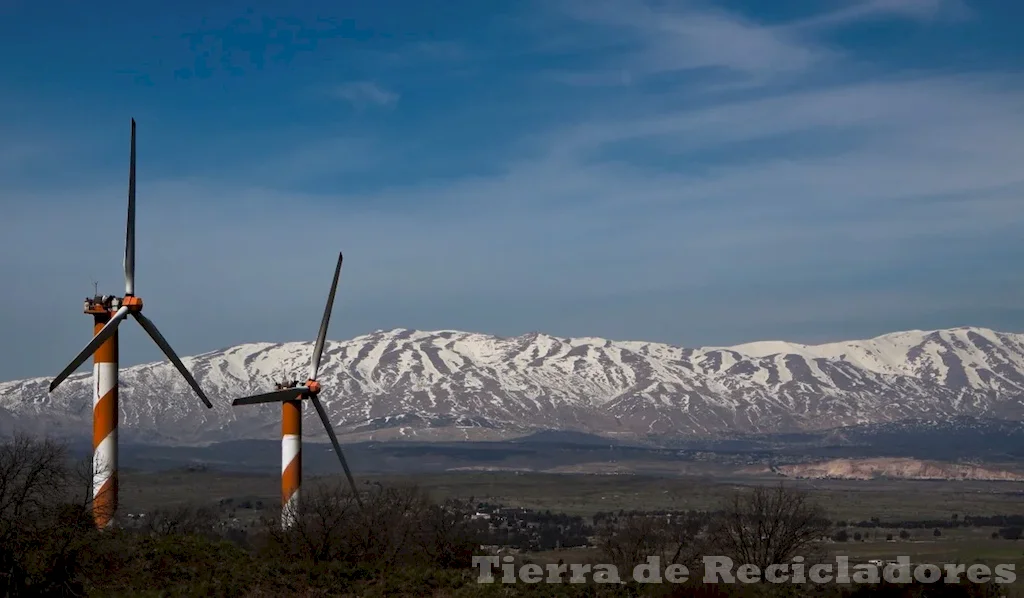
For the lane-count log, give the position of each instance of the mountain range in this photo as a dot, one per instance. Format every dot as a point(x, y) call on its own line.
point(451, 385)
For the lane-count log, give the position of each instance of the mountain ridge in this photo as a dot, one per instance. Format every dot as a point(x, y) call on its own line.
point(449, 384)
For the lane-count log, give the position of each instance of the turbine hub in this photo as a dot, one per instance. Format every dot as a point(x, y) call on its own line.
point(133, 303)
point(313, 386)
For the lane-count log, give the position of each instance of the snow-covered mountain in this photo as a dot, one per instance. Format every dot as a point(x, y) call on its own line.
point(454, 385)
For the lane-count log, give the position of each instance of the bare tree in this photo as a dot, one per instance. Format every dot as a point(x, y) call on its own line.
point(33, 475)
point(389, 524)
point(628, 541)
point(44, 518)
point(396, 524)
point(82, 474)
point(689, 531)
point(672, 536)
point(770, 526)
point(448, 535)
point(323, 524)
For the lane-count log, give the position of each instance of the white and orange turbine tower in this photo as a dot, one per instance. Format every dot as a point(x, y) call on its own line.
point(108, 312)
point(290, 394)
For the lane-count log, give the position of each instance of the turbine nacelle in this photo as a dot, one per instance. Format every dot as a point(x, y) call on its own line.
point(286, 384)
point(311, 386)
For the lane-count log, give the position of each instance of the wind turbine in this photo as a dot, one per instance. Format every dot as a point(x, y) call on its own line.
point(291, 394)
point(108, 312)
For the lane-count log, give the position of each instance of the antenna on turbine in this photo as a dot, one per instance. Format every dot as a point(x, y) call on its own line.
point(95, 288)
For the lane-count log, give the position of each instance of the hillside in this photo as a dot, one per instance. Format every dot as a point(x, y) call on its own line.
point(905, 469)
point(449, 385)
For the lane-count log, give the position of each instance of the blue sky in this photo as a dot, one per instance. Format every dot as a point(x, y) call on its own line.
point(689, 172)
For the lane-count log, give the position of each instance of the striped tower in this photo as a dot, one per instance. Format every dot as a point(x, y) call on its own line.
point(291, 460)
point(104, 426)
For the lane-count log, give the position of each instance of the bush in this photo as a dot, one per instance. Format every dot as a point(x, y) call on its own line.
point(1010, 533)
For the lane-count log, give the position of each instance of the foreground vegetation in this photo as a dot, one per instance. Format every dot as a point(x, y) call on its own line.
point(399, 543)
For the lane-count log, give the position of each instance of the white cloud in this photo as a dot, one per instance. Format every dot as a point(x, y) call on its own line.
point(865, 10)
point(659, 40)
point(654, 39)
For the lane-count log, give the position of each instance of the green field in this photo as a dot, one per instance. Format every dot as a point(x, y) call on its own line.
point(586, 494)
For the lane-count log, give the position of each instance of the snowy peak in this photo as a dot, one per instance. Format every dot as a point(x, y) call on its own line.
point(959, 357)
point(447, 384)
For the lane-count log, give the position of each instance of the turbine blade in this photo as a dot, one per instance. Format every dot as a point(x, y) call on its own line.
point(271, 397)
point(106, 332)
point(334, 441)
point(314, 364)
point(129, 236)
point(169, 352)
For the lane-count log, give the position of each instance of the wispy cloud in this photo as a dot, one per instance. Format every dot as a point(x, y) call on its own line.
point(671, 40)
point(656, 40)
point(866, 10)
point(365, 93)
